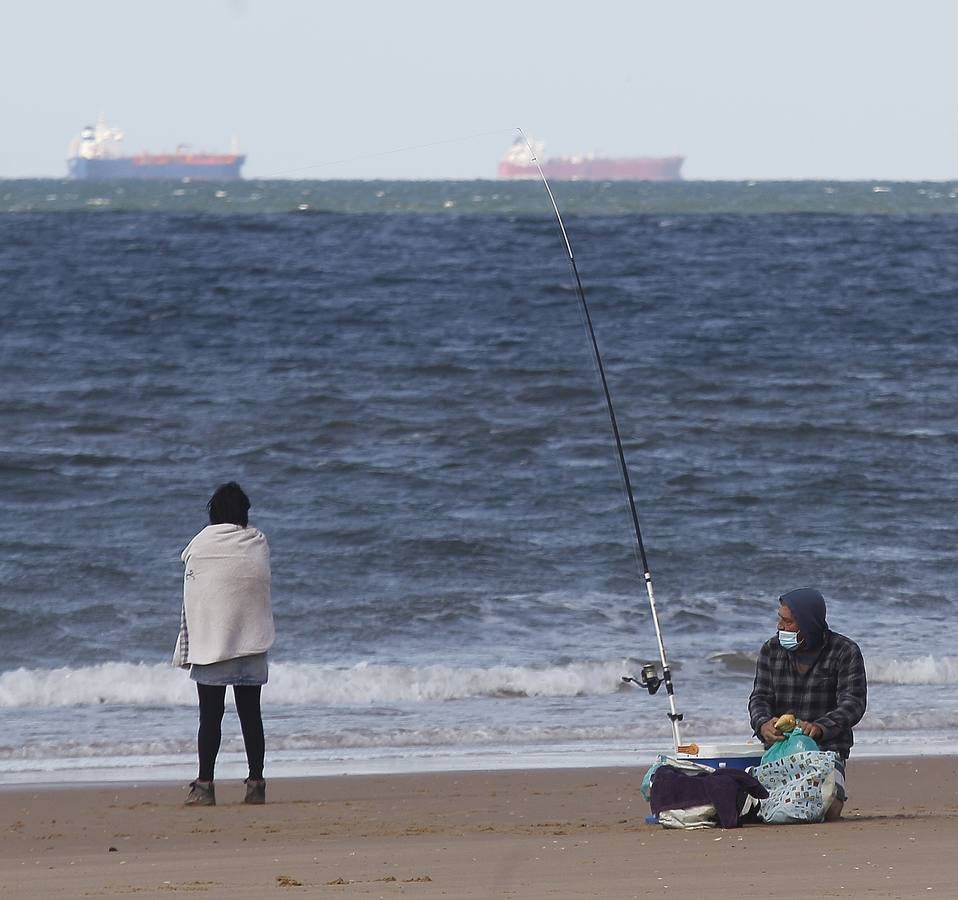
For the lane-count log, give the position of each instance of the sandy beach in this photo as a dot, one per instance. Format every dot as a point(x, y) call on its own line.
point(540, 833)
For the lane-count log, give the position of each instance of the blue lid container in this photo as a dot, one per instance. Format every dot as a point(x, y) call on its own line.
point(726, 756)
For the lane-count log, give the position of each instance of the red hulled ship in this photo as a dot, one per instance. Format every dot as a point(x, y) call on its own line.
point(518, 163)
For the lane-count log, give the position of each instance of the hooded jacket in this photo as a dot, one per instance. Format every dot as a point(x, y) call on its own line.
point(831, 692)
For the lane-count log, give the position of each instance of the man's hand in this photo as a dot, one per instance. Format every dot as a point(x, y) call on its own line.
point(814, 731)
point(769, 734)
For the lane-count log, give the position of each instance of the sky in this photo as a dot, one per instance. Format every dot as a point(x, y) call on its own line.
point(434, 89)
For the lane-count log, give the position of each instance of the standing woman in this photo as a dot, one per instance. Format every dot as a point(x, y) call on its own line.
point(226, 629)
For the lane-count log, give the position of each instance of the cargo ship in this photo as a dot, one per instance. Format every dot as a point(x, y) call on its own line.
point(97, 155)
point(518, 163)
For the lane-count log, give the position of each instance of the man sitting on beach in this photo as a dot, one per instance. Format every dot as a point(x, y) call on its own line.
point(815, 673)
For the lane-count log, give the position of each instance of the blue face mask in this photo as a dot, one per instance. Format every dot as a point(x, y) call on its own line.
point(788, 639)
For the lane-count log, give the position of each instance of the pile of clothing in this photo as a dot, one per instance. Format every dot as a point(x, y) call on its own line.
point(691, 795)
point(795, 788)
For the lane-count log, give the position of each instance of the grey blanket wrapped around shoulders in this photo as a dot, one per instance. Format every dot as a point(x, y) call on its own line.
point(227, 609)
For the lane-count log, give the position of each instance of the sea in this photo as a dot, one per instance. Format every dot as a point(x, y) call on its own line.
point(399, 376)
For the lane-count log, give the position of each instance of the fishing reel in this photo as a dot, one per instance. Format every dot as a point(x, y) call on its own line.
point(648, 678)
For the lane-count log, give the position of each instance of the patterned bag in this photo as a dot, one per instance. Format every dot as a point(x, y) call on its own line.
point(801, 787)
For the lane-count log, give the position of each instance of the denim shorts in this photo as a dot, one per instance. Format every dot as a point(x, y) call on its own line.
point(243, 670)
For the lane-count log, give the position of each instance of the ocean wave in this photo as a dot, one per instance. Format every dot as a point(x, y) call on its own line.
point(294, 684)
point(370, 684)
point(736, 661)
point(470, 736)
point(912, 670)
point(874, 730)
point(904, 670)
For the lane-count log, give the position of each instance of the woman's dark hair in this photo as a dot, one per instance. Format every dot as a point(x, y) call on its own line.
point(229, 505)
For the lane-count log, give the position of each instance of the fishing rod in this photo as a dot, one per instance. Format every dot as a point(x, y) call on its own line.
point(648, 677)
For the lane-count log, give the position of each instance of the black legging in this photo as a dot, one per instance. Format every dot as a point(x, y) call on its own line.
point(212, 704)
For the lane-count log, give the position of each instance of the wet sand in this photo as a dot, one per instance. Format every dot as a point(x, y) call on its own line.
point(539, 833)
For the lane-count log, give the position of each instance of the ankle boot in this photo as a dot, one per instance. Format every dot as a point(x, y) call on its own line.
point(255, 790)
point(202, 793)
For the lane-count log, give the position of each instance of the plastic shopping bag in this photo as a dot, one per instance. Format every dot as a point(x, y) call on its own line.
point(796, 741)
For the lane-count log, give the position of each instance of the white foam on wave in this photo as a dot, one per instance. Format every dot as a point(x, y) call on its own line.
point(294, 684)
point(127, 684)
point(912, 670)
point(881, 669)
point(369, 684)
point(875, 730)
point(880, 732)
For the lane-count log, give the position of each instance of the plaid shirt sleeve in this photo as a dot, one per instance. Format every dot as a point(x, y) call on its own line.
point(762, 700)
point(851, 693)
